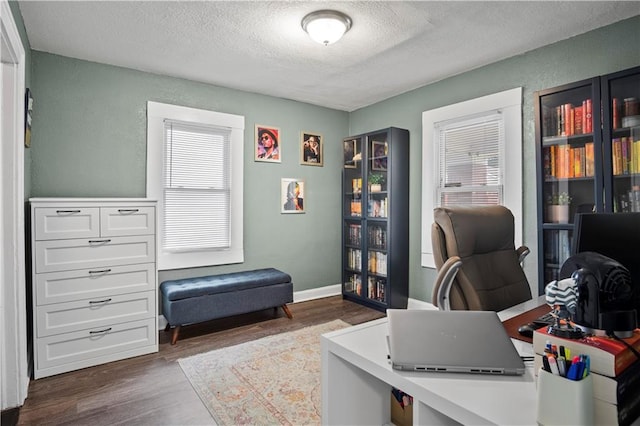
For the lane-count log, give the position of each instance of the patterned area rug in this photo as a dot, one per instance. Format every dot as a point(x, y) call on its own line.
point(273, 380)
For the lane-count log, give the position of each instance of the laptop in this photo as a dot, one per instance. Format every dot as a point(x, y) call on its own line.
point(451, 341)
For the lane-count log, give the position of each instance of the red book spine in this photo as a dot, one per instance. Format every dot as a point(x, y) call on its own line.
point(589, 116)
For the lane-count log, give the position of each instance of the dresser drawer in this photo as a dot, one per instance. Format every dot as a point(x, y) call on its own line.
point(94, 313)
point(122, 221)
point(66, 286)
point(66, 222)
point(93, 253)
point(76, 349)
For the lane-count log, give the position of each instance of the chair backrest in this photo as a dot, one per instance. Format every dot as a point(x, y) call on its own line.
point(491, 277)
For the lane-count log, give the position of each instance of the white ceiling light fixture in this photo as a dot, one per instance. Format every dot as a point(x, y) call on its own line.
point(326, 26)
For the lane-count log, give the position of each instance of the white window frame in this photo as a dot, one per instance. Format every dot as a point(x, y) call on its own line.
point(157, 113)
point(509, 103)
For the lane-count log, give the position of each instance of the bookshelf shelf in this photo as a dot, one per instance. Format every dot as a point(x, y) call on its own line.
point(375, 206)
point(583, 151)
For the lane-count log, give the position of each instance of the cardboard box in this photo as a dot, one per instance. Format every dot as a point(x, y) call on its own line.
point(401, 408)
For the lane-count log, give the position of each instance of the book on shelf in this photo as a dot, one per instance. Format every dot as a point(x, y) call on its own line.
point(621, 390)
point(609, 357)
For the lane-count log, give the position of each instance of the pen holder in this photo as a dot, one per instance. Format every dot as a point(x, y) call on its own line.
point(564, 402)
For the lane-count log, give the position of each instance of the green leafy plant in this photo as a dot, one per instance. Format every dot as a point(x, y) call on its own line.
point(560, 199)
point(376, 179)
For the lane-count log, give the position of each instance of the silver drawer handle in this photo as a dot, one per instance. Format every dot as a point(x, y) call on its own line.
point(104, 271)
point(106, 330)
point(67, 211)
point(95, 302)
point(99, 241)
point(128, 210)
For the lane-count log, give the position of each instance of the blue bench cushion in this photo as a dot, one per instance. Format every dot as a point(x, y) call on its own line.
point(193, 287)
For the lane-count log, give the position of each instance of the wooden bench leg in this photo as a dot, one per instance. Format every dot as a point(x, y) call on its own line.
point(286, 310)
point(167, 327)
point(174, 336)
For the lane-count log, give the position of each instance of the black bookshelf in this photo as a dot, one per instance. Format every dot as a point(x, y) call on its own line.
point(588, 155)
point(375, 218)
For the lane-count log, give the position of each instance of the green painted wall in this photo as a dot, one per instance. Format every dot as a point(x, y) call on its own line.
point(89, 140)
point(606, 50)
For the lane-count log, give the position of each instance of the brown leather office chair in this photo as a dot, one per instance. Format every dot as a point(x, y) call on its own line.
point(478, 266)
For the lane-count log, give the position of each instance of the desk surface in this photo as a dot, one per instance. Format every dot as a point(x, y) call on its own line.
point(465, 398)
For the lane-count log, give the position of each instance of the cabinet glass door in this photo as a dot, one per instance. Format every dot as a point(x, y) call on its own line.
point(352, 240)
point(377, 261)
point(621, 91)
point(569, 138)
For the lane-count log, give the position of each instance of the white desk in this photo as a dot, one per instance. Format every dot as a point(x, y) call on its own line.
point(357, 379)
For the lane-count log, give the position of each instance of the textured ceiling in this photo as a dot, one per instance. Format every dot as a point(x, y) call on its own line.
point(259, 46)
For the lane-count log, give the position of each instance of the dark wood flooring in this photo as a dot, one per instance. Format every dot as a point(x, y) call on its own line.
point(152, 389)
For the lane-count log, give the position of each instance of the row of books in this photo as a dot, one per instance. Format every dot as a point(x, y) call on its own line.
point(565, 161)
point(377, 289)
point(356, 185)
point(557, 246)
point(354, 236)
point(354, 259)
point(354, 284)
point(628, 202)
point(377, 237)
point(626, 155)
point(615, 370)
point(568, 120)
point(378, 262)
point(355, 208)
point(378, 208)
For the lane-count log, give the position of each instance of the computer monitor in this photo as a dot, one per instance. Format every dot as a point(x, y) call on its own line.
point(615, 235)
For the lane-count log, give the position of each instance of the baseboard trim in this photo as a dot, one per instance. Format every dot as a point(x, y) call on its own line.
point(317, 293)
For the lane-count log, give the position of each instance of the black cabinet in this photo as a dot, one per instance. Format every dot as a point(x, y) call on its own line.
point(375, 218)
point(588, 158)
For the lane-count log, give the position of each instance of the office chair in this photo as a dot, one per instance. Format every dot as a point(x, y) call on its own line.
point(475, 256)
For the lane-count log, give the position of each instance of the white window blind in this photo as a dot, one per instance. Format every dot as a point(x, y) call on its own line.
point(471, 161)
point(197, 187)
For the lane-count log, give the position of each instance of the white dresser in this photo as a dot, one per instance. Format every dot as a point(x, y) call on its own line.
point(94, 281)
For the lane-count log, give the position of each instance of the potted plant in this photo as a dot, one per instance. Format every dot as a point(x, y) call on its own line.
point(559, 207)
point(375, 181)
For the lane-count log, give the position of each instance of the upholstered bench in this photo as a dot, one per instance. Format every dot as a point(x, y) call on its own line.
point(194, 300)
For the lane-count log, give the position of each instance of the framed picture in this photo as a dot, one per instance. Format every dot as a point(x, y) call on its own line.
point(292, 195)
point(311, 149)
point(379, 155)
point(349, 148)
point(267, 144)
point(28, 117)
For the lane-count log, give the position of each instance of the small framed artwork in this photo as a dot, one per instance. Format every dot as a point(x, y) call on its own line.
point(379, 157)
point(292, 195)
point(28, 117)
point(311, 149)
point(267, 144)
point(349, 148)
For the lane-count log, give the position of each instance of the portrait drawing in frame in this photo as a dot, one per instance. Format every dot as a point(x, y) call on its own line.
point(378, 156)
point(311, 149)
point(267, 144)
point(349, 148)
point(292, 195)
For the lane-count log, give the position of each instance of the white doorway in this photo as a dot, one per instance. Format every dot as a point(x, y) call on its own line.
point(14, 366)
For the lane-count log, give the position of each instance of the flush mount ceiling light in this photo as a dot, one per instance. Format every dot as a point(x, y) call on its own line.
point(326, 26)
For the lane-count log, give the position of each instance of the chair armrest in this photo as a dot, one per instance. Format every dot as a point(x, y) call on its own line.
point(522, 252)
point(444, 281)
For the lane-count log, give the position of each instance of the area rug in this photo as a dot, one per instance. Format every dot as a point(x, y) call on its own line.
point(269, 381)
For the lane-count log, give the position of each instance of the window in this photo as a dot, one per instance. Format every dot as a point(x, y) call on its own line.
point(194, 171)
point(471, 154)
point(470, 161)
